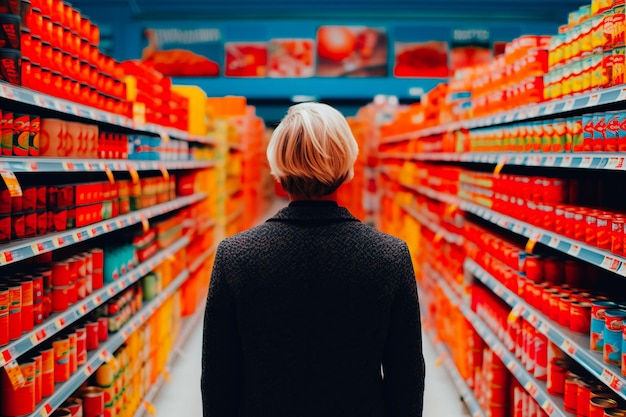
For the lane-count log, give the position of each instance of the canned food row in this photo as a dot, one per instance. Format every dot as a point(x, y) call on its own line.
point(28, 299)
point(51, 364)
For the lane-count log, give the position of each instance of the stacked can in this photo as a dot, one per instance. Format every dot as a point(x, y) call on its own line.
point(10, 55)
point(61, 56)
point(20, 133)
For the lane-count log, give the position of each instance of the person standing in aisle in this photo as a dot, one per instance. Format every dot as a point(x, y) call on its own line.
point(312, 313)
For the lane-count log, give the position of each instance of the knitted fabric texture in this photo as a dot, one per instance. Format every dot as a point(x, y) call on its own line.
point(305, 314)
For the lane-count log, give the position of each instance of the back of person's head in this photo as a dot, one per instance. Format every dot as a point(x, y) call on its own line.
point(312, 151)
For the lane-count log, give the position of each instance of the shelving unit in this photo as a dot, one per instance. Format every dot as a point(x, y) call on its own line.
point(581, 102)
point(537, 389)
point(104, 352)
point(60, 321)
point(573, 344)
point(44, 165)
point(28, 248)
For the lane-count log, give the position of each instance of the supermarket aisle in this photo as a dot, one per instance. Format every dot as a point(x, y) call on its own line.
point(181, 396)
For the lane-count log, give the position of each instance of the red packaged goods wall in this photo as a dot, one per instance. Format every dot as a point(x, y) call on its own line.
point(504, 183)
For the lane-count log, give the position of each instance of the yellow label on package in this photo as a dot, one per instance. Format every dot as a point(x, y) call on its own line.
point(11, 182)
point(15, 375)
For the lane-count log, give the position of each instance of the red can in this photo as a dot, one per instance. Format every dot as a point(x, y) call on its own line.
point(4, 315)
point(103, 329)
point(597, 406)
point(584, 395)
point(81, 346)
point(59, 297)
point(38, 381)
point(15, 311)
point(570, 394)
point(61, 348)
point(72, 337)
point(617, 235)
point(556, 376)
point(565, 303)
point(21, 401)
point(98, 265)
point(580, 317)
point(92, 334)
point(27, 304)
point(47, 372)
point(93, 401)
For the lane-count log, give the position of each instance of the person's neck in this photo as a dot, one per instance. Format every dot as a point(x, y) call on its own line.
point(329, 197)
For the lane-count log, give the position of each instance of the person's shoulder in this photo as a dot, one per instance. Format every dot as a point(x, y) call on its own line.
point(244, 240)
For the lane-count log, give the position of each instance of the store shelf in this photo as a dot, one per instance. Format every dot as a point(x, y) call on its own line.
point(105, 351)
point(597, 160)
point(574, 248)
point(432, 226)
point(571, 247)
point(578, 103)
point(234, 216)
point(188, 326)
point(94, 165)
point(553, 406)
point(28, 248)
point(573, 344)
point(60, 321)
point(47, 102)
point(466, 393)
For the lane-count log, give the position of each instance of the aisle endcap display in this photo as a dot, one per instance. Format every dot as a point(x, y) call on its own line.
point(575, 345)
point(27, 248)
point(537, 389)
point(77, 311)
point(104, 352)
point(600, 161)
point(95, 165)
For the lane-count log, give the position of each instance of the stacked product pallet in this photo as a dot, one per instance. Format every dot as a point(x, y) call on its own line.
point(503, 182)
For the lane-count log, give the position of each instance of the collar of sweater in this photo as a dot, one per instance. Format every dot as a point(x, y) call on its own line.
point(313, 212)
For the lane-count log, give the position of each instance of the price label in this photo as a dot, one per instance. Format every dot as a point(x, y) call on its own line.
point(532, 241)
point(622, 269)
point(46, 410)
point(574, 250)
point(88, 370)
point(610, 263)
point(58, 242)
point(109, 174)
point(569, 105)
point(622, 94)
point(511, 366)
point(104, 355)
point(554, 242)
point(6, 357)
point(549, 109)
point(145, 224)
point(98, 300)
point(83, 308)
point(615, 163)
point(544, 328)
point(499, 350)
point(501, 162)
point(59, 324)
point(15, 190)
point(150, 408)
point(499, 290)
point(111, 291)
point(607, 376)
point(16, 377)
point(515, 313)
point(68, 166)
point(37, 248)
point(566, 161)
point(531, 388)
point(533, 320)
point(38, 337)
point(509, 117)
point(518, 228)
point(548, 407)
point(133, 173)
point(7, 92)
point(593, 100)
point(586, 162)
point(533, 160)
point(568, 347)
point(165, 137)
point(550, 161)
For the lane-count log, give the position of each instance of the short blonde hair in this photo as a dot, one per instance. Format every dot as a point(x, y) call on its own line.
point(312, 151)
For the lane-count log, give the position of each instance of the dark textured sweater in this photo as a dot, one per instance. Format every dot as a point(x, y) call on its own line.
point(305, 314)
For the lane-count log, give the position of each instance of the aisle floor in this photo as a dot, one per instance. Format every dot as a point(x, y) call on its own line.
point(181, 395)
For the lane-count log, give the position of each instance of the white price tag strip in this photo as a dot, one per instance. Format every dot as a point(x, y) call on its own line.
point(594, 99)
